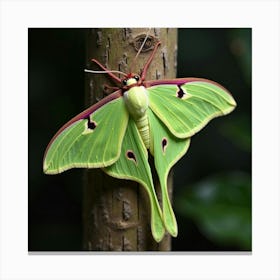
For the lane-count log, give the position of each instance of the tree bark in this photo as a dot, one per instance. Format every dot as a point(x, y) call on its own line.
point(116, 213)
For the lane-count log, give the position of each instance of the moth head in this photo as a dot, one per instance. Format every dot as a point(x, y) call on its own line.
point(131, 80)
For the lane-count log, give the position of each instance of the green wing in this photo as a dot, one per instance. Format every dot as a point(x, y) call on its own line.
point(133, 165)
point(187, 108)
point(90, 140)
point(167, 150)
point(178, 111)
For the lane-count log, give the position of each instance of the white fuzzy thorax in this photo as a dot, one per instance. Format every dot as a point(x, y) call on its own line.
point(137, 102)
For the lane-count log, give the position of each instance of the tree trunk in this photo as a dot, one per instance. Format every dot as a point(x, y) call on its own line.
point(116, 212)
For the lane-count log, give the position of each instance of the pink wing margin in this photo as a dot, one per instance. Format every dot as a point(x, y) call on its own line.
point(83, 115)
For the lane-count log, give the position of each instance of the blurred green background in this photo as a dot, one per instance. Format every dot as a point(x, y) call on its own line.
point(212, 182)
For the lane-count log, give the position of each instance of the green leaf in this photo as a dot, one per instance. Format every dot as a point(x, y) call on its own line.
point(221, 207)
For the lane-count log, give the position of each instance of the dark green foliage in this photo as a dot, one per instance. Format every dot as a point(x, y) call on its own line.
point(221, 208)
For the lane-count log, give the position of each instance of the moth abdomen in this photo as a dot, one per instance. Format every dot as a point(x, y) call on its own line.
point(143, 128)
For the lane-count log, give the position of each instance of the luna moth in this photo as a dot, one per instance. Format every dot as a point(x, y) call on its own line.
point(118, 133)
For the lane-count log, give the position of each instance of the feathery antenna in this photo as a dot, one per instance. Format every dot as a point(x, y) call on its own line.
point(140, 49)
